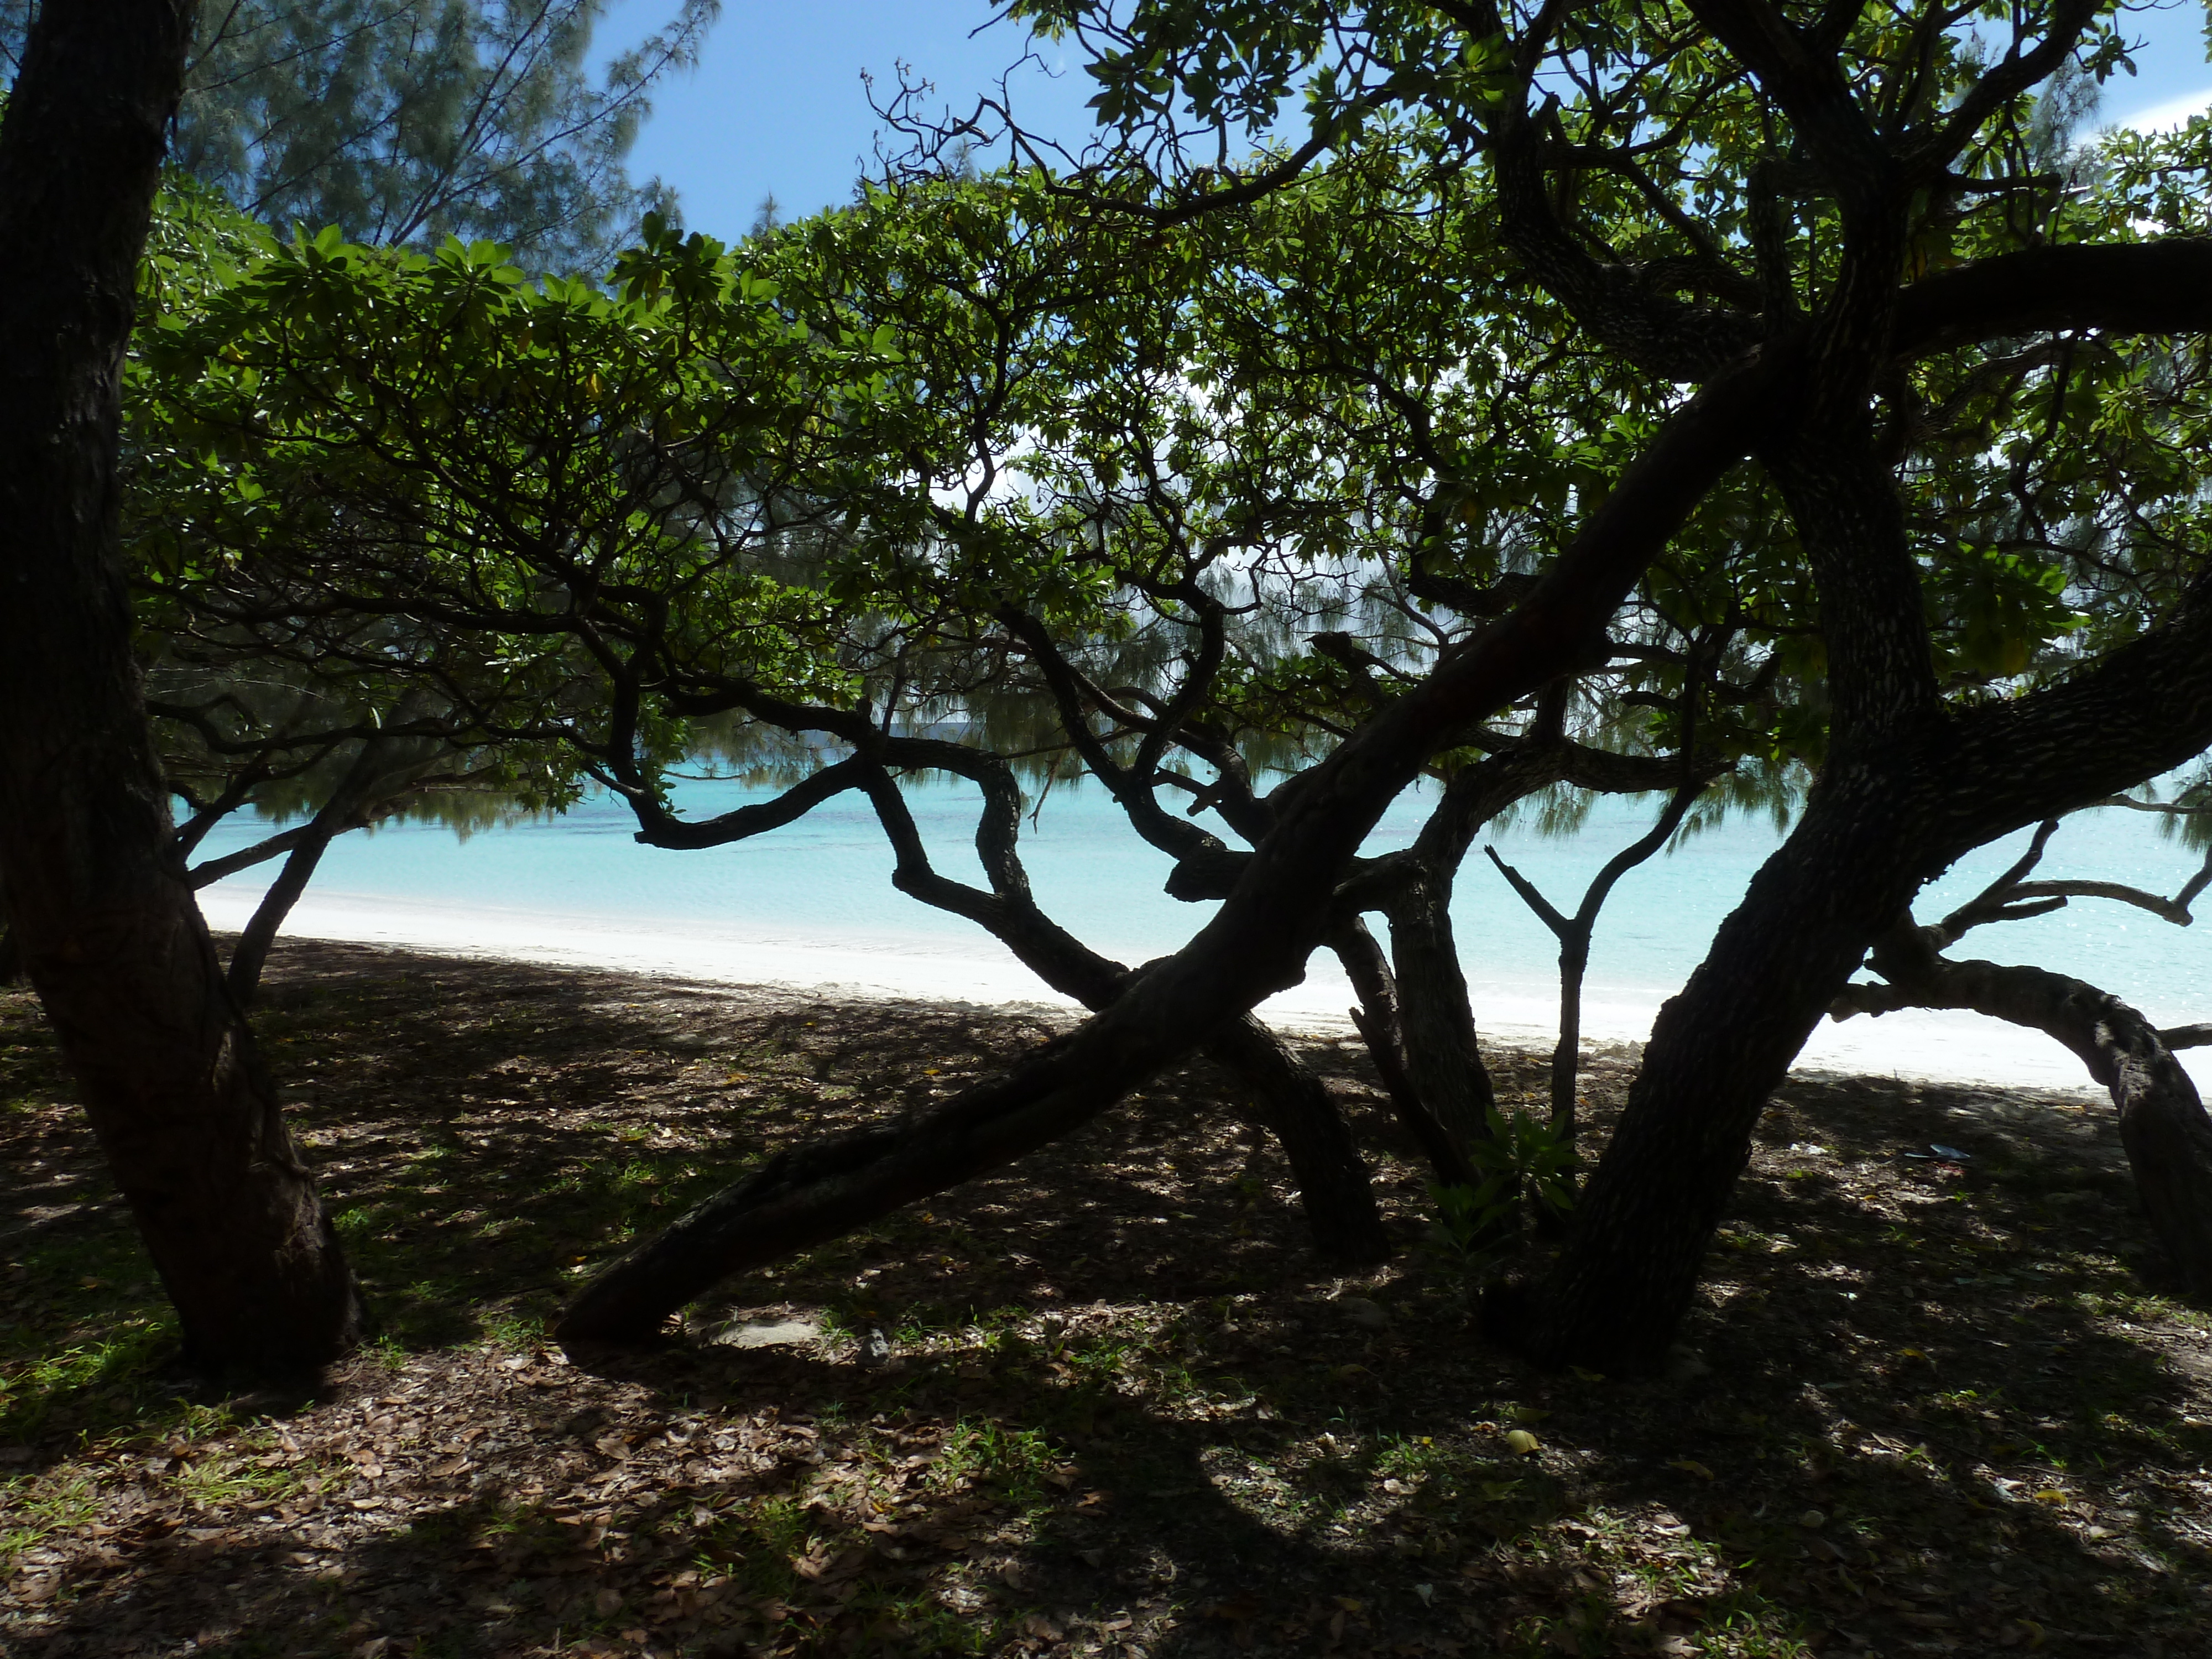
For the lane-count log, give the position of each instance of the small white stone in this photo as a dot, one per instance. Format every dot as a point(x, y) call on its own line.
point(783, 1333)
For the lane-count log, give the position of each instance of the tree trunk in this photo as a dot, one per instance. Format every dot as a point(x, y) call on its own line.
point(11, 949)
point(807, 1195)
point(111, 937)
point(1377, 1019)
point(381, 771)
point(1297, 1107)
point(1443, 1057)
point(1876, 826)
point(1292, 1104)
point(2162, 1122)
point(1574, 934)
point(1718, 1049)
point(251, 953)
point(1567, 1053)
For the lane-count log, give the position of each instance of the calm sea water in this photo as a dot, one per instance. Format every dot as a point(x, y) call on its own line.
point(811, 904)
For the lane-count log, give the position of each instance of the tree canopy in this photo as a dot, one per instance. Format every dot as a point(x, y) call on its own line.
point(1754, 407)
point(1233, 487)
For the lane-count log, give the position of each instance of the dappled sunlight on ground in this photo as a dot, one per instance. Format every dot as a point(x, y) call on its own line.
point(1929, 1405)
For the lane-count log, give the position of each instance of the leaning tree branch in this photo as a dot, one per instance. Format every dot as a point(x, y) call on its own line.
point(2013, 75)
point(1291, 1103)
point(1257, 943)
point(2162, 1122)
point(2161, 287)
point(2012, 897)
point(1378, 1020)
point(659, 827)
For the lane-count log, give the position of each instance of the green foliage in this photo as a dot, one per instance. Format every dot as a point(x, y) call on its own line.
point(1266, 463)
point(404, 122)
point(1476, 1228)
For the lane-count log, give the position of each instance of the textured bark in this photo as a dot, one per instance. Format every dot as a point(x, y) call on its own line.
point(2162, 287)
point(2162, 1122)
point(1444, 1058)
point(1377, 1019)
point(112, 939)
point(1876, 826)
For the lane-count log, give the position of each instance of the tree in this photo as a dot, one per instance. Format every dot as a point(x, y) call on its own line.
point(340, 739)
point(955, 279)
point(1710, 218)
point(607, 491)
point(406, 121)
point(2162, 1122)
point(110, 938)
point(1929, 576)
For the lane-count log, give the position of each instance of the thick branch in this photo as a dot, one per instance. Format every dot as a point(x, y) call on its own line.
point(2162, 287)
point(1257, 944)
point(2162, 1122)
point(661, 828)
point(1378, 1021)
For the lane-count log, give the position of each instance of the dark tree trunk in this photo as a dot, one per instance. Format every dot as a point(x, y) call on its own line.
point(11, 950)
point(1717, 1051)
point(111, 937)
point(1865, 844)
point(1377, 1019)
point(382, 773)
point(807, 1195)
point(2162, 1122)
point(1876, 828)
point(1444, 1057)
point(1297, 1107)
point(251, 953)
point(1433, 1013)
point(1289, 1102)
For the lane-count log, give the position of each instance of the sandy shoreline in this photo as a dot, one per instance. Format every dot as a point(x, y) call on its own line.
point(1950, 1048)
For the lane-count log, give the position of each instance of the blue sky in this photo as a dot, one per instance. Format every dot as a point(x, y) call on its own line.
point(778, 104)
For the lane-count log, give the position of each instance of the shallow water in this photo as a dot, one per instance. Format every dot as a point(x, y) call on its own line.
point(811, 904)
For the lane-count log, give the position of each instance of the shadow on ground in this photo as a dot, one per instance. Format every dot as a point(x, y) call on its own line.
point(1934, 1405)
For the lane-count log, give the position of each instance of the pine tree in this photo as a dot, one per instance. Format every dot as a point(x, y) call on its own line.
point(407, 121)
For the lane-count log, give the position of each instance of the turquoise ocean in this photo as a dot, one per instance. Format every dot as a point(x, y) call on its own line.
point(811, 906)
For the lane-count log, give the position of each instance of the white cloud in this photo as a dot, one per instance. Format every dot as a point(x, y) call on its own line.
point(2172, 115)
